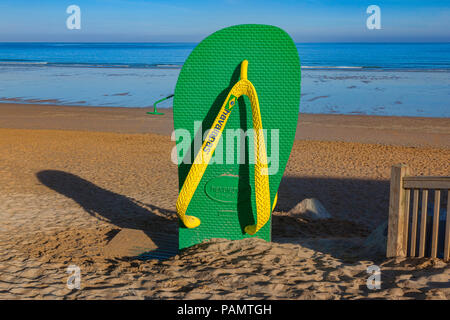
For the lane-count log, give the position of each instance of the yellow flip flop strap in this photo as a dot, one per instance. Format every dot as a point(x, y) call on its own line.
point(262, 192)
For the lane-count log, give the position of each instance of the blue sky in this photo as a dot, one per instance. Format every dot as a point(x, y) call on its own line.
point(191, 21)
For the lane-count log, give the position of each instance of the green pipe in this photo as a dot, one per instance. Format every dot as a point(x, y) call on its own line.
point(154, 105)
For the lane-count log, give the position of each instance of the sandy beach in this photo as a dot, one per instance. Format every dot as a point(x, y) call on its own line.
point(71, 178)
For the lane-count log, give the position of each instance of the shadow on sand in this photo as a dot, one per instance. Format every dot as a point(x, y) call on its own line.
point(122, 211)
point(358, 206)
point(367, 199)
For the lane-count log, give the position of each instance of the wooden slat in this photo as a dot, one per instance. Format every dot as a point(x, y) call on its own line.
point(414, 223)
point(405, 232)
point(434, 235)
point(423, 223)
point(396, 222)
point(426, 182)
point(447, 231)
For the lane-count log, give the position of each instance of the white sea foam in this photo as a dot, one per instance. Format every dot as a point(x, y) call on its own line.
point(333, 67)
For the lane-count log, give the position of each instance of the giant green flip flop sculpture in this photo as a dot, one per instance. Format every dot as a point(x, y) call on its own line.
point(245, 78)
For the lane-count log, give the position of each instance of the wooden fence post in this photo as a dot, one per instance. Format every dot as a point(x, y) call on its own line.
point(397, 204)
point(447, 231)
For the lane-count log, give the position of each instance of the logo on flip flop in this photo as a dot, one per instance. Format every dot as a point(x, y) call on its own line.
point(226, 188)
point(231, 103)
point(213, 134)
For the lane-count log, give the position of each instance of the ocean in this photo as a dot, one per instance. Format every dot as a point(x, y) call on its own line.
point(399, 79)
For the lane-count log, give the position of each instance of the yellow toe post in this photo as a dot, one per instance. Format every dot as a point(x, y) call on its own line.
point(244, 68)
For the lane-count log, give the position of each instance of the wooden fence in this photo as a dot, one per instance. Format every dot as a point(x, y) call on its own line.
point(406, 235)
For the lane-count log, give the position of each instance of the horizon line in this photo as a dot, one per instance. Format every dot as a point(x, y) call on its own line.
point(190, 42)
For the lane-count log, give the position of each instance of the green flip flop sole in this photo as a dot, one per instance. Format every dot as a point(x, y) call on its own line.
point(224, 200)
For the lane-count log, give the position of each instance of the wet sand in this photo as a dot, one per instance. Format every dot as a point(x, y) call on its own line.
point(406, 131)
point(71, 178)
